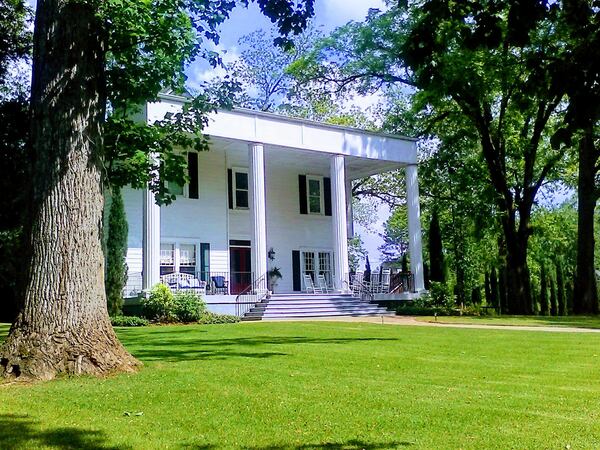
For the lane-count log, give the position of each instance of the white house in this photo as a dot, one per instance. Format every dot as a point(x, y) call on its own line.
point(272, 191)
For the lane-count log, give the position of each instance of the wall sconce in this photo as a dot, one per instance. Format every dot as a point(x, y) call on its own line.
point(271, 254)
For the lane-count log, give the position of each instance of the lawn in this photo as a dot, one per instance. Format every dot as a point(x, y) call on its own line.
point(535, 321)
point(322, 385)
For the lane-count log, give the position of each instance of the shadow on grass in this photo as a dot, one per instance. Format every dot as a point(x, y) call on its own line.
point(352, 444)
point(19, 431)
point(175, 347)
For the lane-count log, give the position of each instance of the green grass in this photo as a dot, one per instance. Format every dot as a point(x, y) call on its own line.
point(536, 321)
point(322, 385)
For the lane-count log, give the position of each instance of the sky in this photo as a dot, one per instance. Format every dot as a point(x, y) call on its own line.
point(329, 14)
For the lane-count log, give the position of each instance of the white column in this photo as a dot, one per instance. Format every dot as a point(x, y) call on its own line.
point(414, 226)
point(339, 222)
point(150, 241)
point(256, 179)
point(349, 213)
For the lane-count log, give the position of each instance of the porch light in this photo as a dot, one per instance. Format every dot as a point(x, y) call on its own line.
point(271, 254)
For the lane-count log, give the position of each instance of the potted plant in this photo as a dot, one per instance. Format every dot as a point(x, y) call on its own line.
point(274, 274)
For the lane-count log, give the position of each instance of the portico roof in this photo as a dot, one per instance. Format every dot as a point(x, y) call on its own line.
point(385, 151)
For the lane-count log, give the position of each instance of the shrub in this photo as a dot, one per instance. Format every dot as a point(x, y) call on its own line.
point(116, 249)
point(188, 307)
point(209, 318)
point(160, 304)
point(441, 294)
point(128, 321)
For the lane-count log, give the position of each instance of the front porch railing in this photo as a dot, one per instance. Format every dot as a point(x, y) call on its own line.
point(256, 292)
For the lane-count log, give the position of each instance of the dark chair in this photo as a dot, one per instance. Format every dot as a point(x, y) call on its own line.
point(219, 285)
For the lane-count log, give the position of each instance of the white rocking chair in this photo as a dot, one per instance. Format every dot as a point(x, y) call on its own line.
point(310, 286)
point(322, 283)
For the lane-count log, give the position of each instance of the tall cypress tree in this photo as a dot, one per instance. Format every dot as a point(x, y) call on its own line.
point(494, 291)
point(560, 287)
point(116, 248)
point(553, 300)
point(543, 292)
point(436, 255)
point(488, 290)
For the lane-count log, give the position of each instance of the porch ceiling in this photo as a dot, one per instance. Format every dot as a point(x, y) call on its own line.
point(305, 161)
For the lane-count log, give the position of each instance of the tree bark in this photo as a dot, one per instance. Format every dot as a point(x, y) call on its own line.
point(63, 326)
point(518, 278)
point(585, 300)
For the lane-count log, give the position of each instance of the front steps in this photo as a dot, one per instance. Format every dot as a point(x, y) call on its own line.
point(297, 306)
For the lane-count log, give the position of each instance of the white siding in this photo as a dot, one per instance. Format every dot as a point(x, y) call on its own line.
point(287, 229)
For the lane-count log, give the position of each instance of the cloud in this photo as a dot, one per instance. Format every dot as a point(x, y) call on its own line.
point(200, 71)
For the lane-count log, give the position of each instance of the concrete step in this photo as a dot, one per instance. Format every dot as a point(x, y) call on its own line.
point(298, 305)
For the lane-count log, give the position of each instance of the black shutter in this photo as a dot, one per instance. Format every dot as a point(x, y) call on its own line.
point(296, 270)
point(230, 188)
point(204, 261)
point(302, 194)
point(193, 174)
point(327, 195)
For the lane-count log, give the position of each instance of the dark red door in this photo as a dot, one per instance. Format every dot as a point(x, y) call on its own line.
point(240, 268)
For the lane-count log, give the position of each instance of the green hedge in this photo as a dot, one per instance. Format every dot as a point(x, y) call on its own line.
point(128, 321)
point(208, 318)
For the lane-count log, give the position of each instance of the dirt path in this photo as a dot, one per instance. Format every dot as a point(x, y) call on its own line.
point(411, 321)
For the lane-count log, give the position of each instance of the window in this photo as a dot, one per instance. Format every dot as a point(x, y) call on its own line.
point(175, 188)
point(240, 189)
point(189, 190)
point(187, 258)
point(182, 257)
point(167, 258)
point(317, 263)
point(314, 195)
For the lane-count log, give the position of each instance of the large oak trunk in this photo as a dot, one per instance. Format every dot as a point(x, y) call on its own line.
point(585, 298)
point(518, 289)
point(63, 325)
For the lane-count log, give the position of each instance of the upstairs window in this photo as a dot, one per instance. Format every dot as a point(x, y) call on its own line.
point(237, 180)
point(314, 195)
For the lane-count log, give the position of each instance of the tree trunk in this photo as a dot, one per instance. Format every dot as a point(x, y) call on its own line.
point(517, 271)
point(63, 326)
point(585, 300)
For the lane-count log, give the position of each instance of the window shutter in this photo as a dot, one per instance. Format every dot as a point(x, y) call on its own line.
point(193, 174)
point(296, 270)
point(327, 195)
point(302, 194)
point(204, 261)
point(230, 188)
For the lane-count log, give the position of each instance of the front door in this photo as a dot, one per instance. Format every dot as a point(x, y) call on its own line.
point(240, 269)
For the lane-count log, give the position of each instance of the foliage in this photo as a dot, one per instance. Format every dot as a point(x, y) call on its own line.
point(441, 294)
point(188, 307)
point(116, 250)
point(436, 253)
point(210, 318)
point(395, 236)
point(16, 38)
point(418, 310)
point(544, 306)
point(15, 49)
point(159, 305)
point(128, 321)
point(165, 307)
point(356, 252)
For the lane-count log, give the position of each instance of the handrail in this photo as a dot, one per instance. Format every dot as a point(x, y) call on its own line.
point(253, 294)
point(364, 290)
